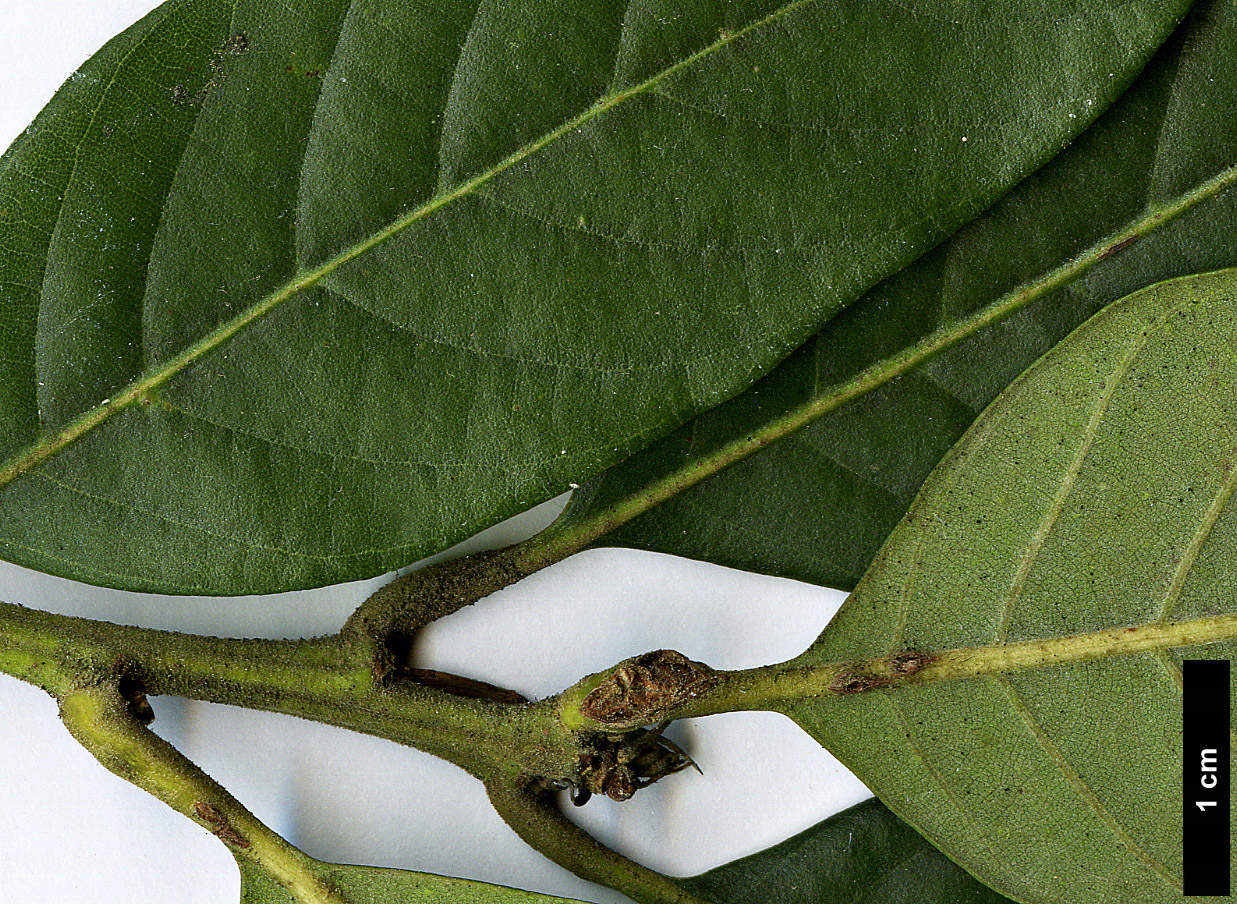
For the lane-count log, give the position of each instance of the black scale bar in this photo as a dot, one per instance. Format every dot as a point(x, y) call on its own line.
point(1207, 844)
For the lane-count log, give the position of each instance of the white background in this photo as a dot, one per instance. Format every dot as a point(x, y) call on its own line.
point(71, 831)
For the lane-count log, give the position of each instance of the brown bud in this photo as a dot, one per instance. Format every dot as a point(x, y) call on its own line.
point(646, 689)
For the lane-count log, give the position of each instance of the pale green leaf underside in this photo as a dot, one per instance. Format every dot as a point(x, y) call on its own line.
point(297, 294)
point(378, 885)
point(1093, 501)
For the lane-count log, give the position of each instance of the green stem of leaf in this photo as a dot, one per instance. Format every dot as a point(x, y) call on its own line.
point(774, 687)
point(87, 664)
point(329, 680)
point(413, 600)
point(534, 817)
point(99, 718)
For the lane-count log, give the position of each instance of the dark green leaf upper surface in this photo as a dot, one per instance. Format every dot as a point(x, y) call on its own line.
point(295, 294)
point(1140, 197)
point(1058, 565)
point(863, 855)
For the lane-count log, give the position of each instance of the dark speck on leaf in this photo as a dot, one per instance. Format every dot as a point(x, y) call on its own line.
point(236, 45)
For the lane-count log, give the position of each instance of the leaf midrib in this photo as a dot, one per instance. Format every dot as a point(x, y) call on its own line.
point(967, 662)
point(571, 535)
point(796, 680)
point(52, 444)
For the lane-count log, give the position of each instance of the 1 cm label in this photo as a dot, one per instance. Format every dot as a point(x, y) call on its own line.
point(1208, 766)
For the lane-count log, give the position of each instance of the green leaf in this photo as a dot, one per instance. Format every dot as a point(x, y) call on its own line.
point(863, 855)
point(378, 885)
point(296, 294)
point(1139, 197)
point(1070, 551)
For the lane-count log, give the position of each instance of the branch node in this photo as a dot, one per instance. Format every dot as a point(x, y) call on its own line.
point(619, 765)
point(132, 689)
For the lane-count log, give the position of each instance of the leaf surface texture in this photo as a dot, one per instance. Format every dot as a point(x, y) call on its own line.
point(1141, 196)
point(295, 294)
point(1070, 551)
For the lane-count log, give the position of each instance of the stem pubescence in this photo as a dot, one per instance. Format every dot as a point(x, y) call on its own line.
point(532, 814)
point(100, 718)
